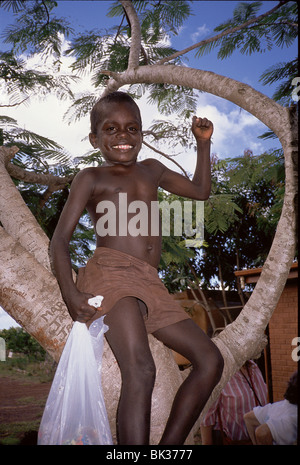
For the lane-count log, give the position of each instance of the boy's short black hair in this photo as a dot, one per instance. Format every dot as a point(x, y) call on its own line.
point(118, 97)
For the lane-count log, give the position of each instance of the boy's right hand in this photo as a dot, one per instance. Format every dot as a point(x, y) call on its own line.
point(202, 128)
point(79, 308)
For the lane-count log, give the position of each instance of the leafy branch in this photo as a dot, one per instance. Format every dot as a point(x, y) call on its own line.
point(207, 44)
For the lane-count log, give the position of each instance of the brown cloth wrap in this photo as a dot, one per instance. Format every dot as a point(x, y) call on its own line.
point(114, 275)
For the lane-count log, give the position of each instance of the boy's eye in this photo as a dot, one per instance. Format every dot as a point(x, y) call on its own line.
point(131, 129)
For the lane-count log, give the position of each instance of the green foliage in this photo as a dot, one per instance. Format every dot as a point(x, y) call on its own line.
point(240, 217)
point(283, 72)
point(14, 5)
point(174, 250)
point(36, 152)
point(279, 29)
point(36, 29)
point(19, 341)
point(99, 50)
point(255, 185)
point(19, 82)
point(172, 99)
point(160, 17)
point(220, 213)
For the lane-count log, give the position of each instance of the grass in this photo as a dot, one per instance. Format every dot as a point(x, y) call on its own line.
point(26, 370)
point(14, 434)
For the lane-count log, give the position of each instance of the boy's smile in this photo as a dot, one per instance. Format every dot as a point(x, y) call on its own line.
point(119, 134)
point(122, 147)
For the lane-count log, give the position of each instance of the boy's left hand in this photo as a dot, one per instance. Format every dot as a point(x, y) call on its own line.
point(202, 128)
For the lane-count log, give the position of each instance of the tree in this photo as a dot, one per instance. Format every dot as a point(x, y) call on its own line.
point(256, 186)
point(29, 291)
point(19, 341)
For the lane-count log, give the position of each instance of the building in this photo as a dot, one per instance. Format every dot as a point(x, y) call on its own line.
point(281, 355)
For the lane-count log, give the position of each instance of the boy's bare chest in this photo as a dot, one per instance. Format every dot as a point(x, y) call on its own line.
point(137, 184)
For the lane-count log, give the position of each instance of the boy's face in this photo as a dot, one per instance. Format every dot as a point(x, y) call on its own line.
point(119, 133)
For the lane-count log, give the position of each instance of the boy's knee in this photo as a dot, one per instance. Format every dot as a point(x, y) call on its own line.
point(212, 365)
point(218, 364)
point(148, 372)
point(141, 374)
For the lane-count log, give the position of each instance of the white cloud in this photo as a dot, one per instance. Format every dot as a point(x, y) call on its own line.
point(230, 129)
point(234, 131)
point(44, 114)
point(199, 33)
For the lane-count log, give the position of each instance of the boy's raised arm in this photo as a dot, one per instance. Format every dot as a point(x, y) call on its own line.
point(199, 187)
point(59, 247)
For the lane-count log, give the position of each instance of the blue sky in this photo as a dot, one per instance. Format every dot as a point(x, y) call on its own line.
point(235, 130)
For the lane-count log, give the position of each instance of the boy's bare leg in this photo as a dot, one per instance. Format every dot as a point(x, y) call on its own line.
point(189, 340)
point(128, 340)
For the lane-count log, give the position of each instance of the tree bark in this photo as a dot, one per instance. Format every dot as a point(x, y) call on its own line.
point(16, 217)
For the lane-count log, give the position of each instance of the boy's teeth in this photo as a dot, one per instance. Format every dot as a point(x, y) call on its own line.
point(122, 146)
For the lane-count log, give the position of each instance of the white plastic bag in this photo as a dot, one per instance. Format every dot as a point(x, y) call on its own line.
point(75, 412)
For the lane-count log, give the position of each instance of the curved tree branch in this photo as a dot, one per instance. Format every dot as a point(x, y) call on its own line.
point(51, 180)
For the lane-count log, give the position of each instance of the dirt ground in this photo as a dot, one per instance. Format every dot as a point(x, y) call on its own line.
point(22, 401)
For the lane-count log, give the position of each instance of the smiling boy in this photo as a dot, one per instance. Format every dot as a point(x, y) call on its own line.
point(124, 270)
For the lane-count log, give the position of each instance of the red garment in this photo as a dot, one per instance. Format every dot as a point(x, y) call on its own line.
point(236, 399)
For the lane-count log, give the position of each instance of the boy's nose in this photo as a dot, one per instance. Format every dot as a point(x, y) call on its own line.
point(122, 133)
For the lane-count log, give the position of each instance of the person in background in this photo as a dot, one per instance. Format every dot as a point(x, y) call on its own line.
point(275, 424)
point(223, 424)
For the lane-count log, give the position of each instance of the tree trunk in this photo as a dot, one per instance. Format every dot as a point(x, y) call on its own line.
point(16, 218)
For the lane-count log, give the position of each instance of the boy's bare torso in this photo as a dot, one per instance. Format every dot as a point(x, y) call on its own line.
point(139, 181)
point(118, 134)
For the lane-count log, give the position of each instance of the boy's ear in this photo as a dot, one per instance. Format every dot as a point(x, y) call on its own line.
point(93, 139)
